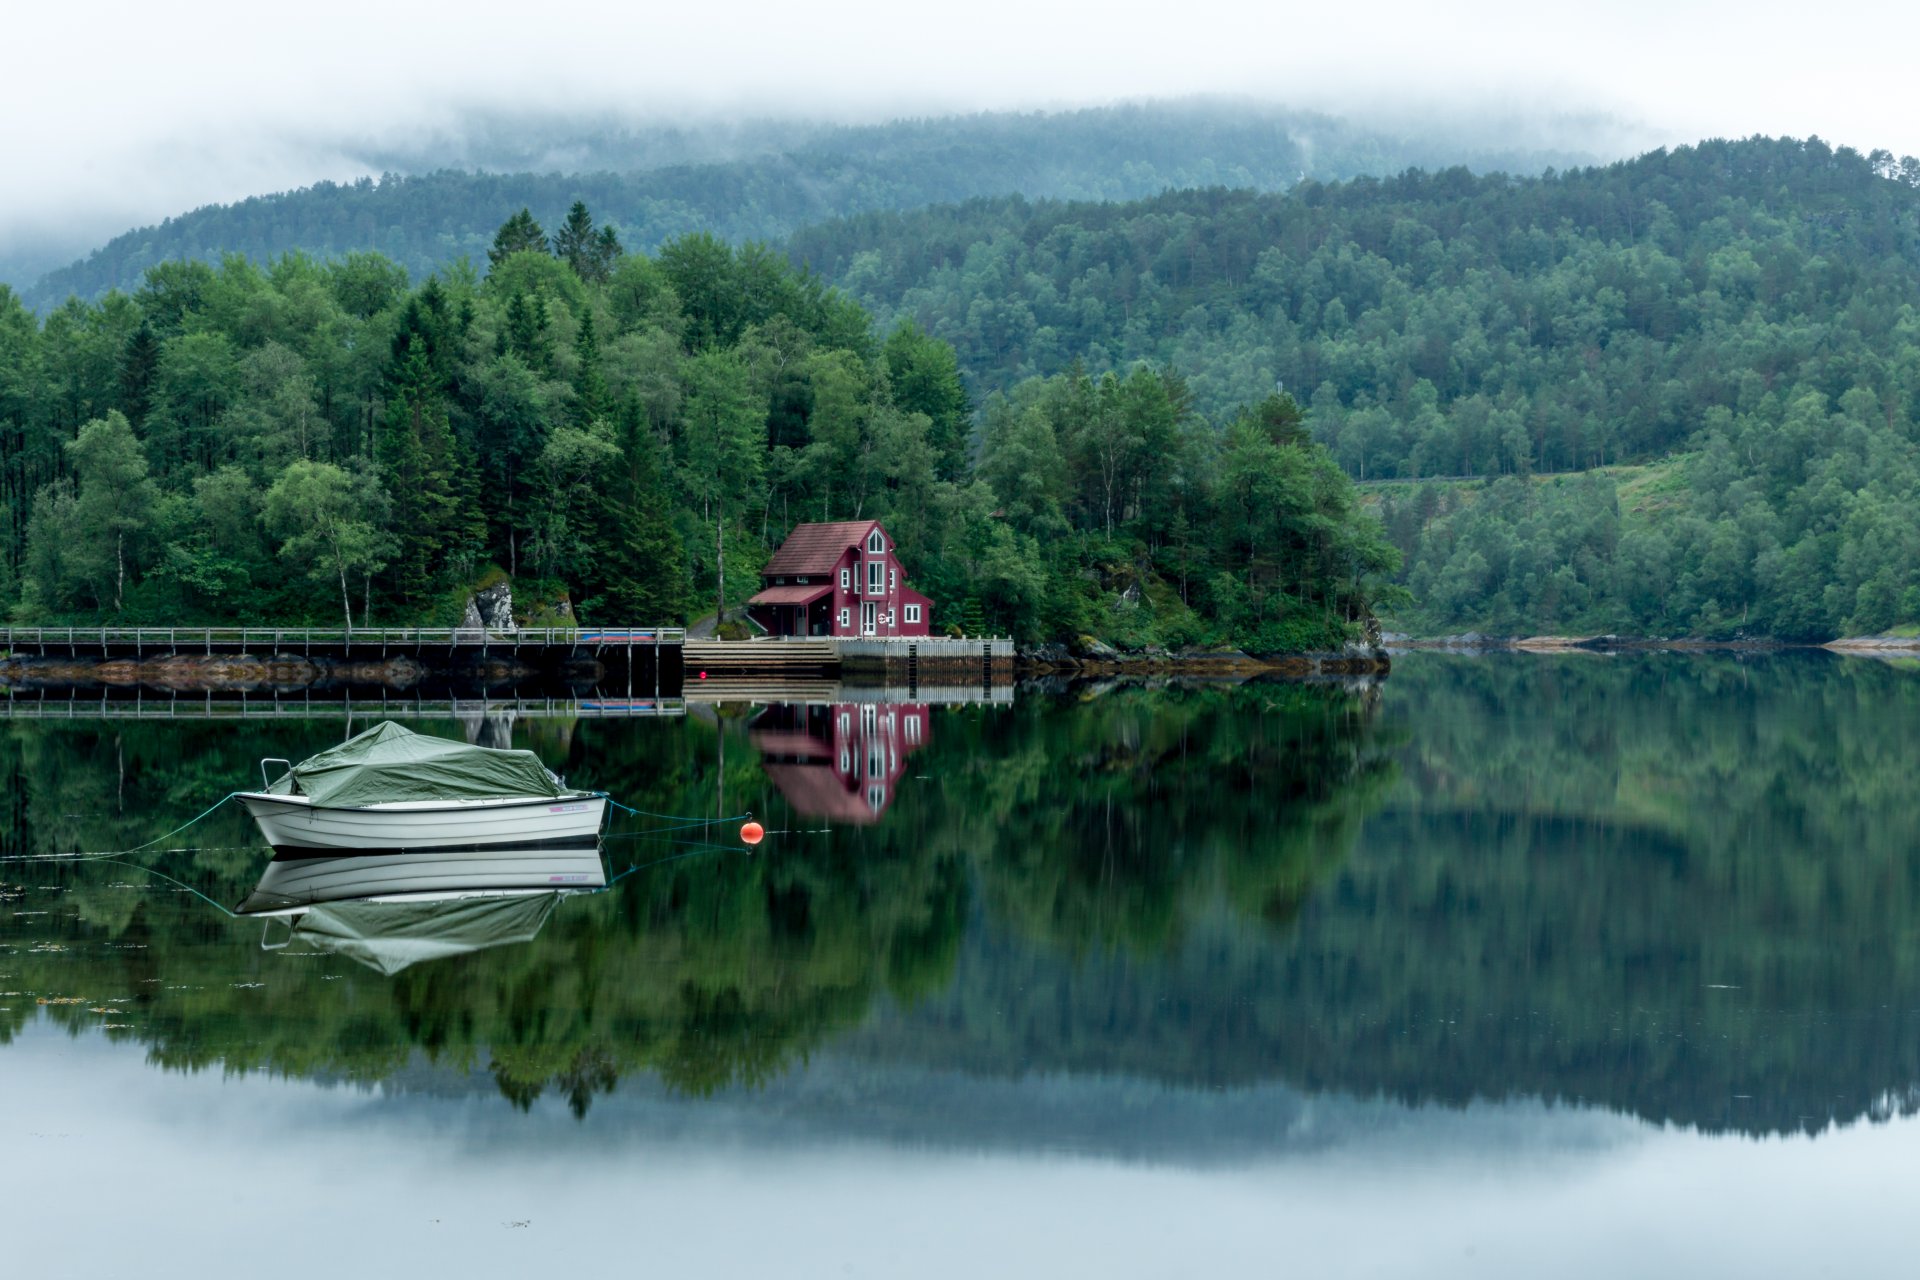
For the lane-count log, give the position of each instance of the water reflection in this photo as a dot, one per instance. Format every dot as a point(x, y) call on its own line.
point(389, 911)
point(1681, 888)
point(839, 761)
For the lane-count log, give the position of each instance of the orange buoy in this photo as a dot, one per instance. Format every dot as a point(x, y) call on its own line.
point(753, 833)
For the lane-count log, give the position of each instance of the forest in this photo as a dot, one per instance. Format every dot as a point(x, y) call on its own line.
point(312, 440)
point(1739, 313)
point(1670, 396)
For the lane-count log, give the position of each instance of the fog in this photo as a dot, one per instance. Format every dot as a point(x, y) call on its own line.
point(120, 113)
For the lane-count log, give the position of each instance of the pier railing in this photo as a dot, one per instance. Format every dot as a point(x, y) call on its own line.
point(188, 639)
point(262, 706)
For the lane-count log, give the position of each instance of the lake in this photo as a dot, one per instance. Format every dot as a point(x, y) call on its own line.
point(1507, 965)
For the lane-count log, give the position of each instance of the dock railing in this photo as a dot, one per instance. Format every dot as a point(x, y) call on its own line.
point(284, 639)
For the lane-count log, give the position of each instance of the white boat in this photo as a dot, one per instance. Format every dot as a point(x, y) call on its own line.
point(291, 884)
point(295, 824)
point(389, 790)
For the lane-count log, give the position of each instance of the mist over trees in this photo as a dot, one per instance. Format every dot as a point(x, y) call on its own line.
point(443, 200)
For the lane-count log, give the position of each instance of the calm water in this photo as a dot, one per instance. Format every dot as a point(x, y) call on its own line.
point(1510, 966)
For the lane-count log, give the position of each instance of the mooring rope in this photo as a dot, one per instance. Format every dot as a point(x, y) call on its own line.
point(109, 854)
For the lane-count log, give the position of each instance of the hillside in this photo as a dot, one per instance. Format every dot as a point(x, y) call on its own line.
point(442, 201)
point(1749, 303)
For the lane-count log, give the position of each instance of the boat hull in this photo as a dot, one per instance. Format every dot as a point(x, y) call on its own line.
point(292, 884)
point(296, 828)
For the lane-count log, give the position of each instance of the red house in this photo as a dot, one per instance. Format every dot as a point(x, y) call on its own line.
point(839, 579)
point(841, 762)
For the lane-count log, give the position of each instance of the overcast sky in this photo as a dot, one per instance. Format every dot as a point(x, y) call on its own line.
point(117, 113)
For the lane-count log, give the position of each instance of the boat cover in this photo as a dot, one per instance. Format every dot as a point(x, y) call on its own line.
point(388, 763)
point(389, 936)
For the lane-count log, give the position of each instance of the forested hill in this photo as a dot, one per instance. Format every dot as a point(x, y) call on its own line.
point(428, 221)
point(1746, 309)
point(1595, 304)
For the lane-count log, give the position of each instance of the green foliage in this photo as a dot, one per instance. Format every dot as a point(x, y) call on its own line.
point(1749, 304)
point(615, 425)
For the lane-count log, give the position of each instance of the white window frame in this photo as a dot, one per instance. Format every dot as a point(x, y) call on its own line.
point(846, 576)
point(876, 577)
point(846, 619)
point(913, 614)
point(877, 797)
point(913, 728)
point(875, 543)
point(893, 579)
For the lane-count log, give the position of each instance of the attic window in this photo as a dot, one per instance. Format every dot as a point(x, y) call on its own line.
point(875, 543)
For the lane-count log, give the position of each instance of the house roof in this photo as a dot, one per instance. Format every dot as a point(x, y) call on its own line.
point(791, 595)
point(817, 548)
point(815, 791)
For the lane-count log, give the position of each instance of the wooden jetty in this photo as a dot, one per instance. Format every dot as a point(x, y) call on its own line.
point(85, 704)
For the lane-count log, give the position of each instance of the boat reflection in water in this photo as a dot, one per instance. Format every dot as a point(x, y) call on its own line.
point(392, 910)
point(841, 761)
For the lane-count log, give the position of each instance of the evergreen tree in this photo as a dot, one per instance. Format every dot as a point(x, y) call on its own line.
point(518, 234)
point(589, 383)
point(638, 569)
point(139, 368)
point(416, 457)
point(581, 247)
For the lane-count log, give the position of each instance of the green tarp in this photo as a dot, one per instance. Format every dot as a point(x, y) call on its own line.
point(388, 763)
point(389, 936)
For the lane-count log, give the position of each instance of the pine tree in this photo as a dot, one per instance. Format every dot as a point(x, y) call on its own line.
point(418, 465)
point(139, 365)
point(639, 563)
point(607, 253)
point(590, 384)
point(576, 242)
point(518, 234)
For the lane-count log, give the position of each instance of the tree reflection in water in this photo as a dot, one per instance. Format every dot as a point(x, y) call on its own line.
point(1680, 887)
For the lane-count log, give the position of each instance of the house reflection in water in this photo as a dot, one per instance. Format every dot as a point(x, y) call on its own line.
point(841, 761)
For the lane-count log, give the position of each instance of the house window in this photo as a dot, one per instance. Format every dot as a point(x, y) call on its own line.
point(889, 617)
point(913, 614)
point(893, 579)
point(875, 543)
point(846, 760)
point(803, 581)
point(846, 579)
point(876, 798)
point(913, 726)
point(876, 578)
point(846, 617)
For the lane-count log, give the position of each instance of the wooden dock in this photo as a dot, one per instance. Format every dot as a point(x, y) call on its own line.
point(357, 644)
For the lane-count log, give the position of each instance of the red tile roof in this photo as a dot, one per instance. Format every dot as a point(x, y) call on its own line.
point(817, 548)
point(791, 595)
